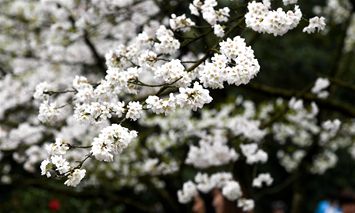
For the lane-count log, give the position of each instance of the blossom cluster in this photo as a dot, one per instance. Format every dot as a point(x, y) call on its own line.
point(319, 87)
point(315, 23)
point(233, 51)
point(112, 140)
point(210, 14)
point(262, 19)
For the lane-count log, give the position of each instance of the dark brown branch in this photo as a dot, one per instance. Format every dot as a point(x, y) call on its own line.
point(330, 104)
point(336, 69)
point(98, 59)
point(343, 84)
point(208, 54)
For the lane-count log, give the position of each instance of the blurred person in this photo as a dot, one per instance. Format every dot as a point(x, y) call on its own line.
point(329, 205)
point(347, 201)
point(278, 207)
point(221, 204)
point(199, 205)
point(218, 204)
point(203, 204)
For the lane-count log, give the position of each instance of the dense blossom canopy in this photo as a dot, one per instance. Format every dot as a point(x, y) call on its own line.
point(123, 92)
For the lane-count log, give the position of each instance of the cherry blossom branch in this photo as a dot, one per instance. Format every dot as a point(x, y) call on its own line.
point(140, 83)
point(81, 163)
point(186, 43)
point(207, 55)
point(285, 110)
point(58, 92)
point(79, 147)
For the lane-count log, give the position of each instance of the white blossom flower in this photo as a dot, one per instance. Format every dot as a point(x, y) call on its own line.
point(80, 82)
point(172, 71)
point(233, 51)
point(112, 140)
point(194, 97)
point(315, 23)
point(218, 30)
point(222, 14)
point(277, 22)
point(60, 163)
point(134, 110)
point(48, 112)
point(262, 178)
point(194, 7)
point(290, 162)
point(181, 23)
point(148, 59)
point(246, 204)
point(214, 74)
point(168, 44)
point(75, 177)
point(231, 190)
point(324, 161)
point(102, 150)
point(204, 184)
point(220, 179)
point(46, 167)
point(253, 154)
point(60, 147)
point(85, 91)
point(159, 106)
point(41, 88)
point(319, 87)
point(187, 193)
point(295, 104)
point(214, 153)
point(330, 128)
